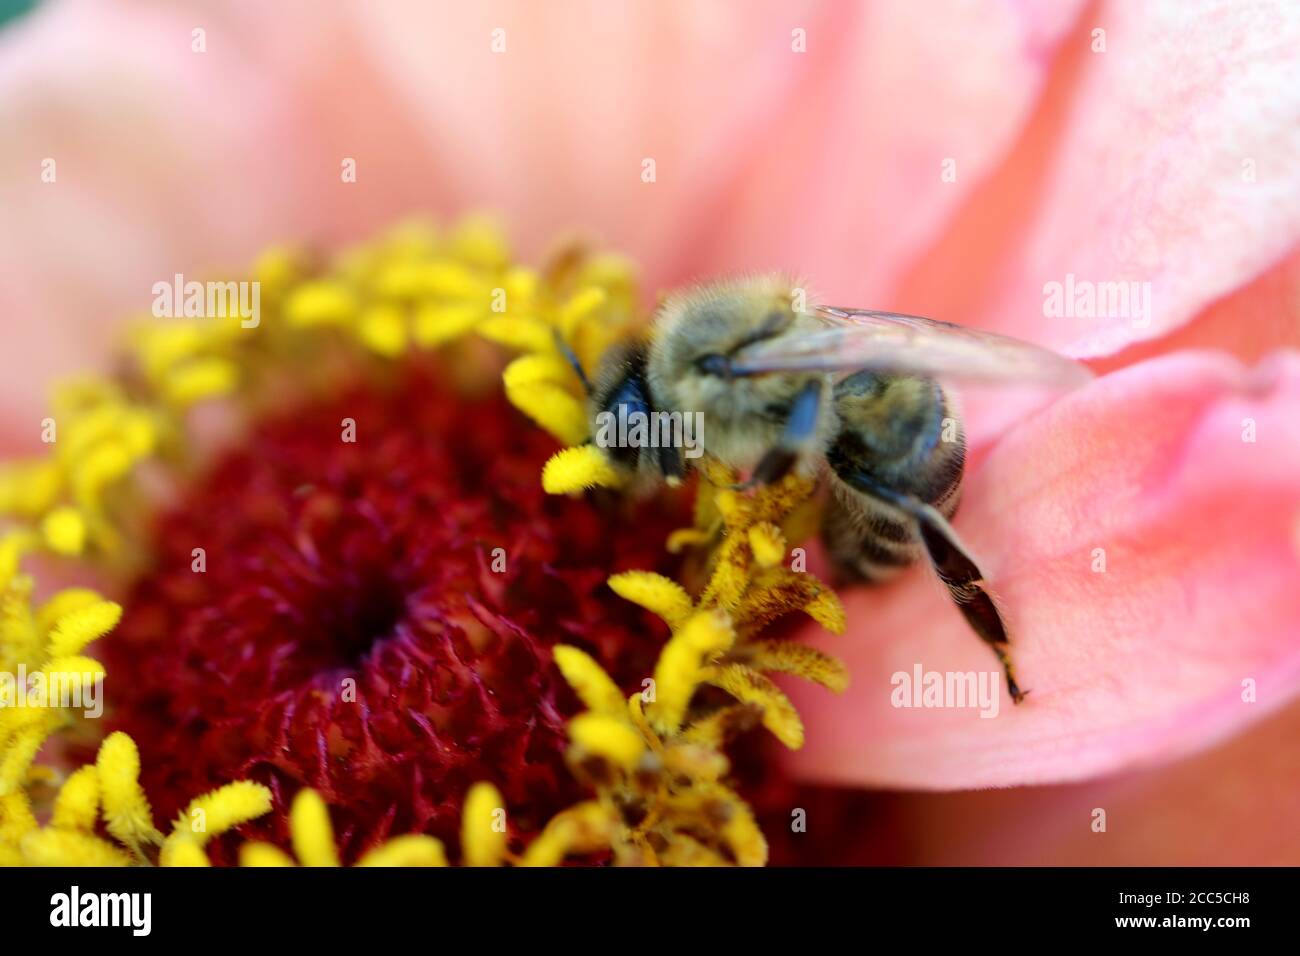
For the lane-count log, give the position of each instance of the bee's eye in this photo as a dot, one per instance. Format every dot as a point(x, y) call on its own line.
point(714, 364)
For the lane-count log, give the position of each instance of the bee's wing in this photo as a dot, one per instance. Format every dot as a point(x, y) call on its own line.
point(855, 339)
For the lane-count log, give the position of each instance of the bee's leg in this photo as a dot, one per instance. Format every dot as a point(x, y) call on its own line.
point(799, 432)
point(955, 567)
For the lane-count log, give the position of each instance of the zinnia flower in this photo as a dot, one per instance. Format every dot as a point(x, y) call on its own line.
point(1143, 532)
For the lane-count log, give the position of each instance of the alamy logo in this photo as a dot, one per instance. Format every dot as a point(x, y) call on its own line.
point(83, 691)
point(947, 690)
point(1085, 299)
point(134, 910)
point(208, 300)
point(637, 429)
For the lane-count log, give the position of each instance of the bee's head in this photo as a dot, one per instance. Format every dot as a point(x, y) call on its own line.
point(698, 334)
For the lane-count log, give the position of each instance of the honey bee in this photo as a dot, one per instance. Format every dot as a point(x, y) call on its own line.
point(782, 385)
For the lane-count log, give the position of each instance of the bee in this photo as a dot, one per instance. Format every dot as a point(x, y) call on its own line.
point(856, 394)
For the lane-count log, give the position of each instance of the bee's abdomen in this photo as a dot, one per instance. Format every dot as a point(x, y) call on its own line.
point(865, 540)
point(904, 434)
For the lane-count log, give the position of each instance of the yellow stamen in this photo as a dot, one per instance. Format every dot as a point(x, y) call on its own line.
point(705, 635)
point(577, 469)
point(63, 603)
point(309, 825)
point(51, 847)
point(609, 737)
point(64, 530)
point(410, 850)
point(528, 370)
point(126, 809)
point(200, 379)
point(483, 826)
point(654, 592)
point(76, 629)
point(77, 805)
point(584, 828)
point(589, 680)
point(183, 851)
point(263, 854)
point(553, 408)
point(437, 323)
point(382, 329)
point(524, 333)
point(807, 662)
point(748, 685)
point(767, 544)
point(323, 302)
point(221, 810)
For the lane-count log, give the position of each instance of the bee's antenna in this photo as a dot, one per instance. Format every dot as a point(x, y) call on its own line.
point(572, 359)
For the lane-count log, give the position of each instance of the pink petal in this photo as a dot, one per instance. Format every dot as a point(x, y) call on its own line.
point(1249, 322)
point(1227, 807)
point(826, 163)
point(1201, 534)
point(173, 161)
point(1168, 160)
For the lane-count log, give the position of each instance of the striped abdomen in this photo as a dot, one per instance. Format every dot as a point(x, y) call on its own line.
point(903, 434)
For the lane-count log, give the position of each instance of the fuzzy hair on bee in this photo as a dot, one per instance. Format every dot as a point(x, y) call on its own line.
point(780, 384)
point(695, 334)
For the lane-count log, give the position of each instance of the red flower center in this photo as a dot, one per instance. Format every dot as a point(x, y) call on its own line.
point(372, 618)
